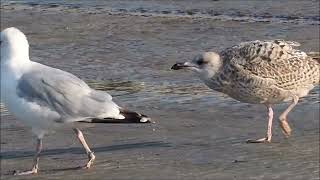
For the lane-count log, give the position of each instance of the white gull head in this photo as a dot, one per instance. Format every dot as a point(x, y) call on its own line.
point(204, 65)
point(14, 46)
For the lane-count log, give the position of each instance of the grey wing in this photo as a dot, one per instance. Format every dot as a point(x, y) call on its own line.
point(65, 94)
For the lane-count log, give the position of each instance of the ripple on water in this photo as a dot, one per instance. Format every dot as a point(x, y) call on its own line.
point(220, 10)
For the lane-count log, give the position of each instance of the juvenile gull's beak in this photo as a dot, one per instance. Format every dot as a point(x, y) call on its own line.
point(178, 66)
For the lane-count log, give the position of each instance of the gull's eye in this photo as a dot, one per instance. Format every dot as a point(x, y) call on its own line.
point(200, 61)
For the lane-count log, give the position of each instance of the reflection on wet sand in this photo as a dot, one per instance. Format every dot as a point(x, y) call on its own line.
point(118, 87)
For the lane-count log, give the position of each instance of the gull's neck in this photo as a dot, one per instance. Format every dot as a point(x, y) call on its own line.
point(15, 55)
point(15, 66)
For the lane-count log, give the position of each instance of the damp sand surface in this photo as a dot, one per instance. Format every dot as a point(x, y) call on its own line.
point(199, 133)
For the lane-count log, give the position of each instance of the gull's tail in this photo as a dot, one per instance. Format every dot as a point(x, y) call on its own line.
point(315, 56)
point(129, 117)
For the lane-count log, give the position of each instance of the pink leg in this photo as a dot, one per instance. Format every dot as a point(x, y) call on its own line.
point(286, 130)
point(35, 168)
point(269, 131)
point(90, 154)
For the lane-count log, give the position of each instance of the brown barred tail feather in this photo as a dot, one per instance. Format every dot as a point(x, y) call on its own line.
point(315, 56)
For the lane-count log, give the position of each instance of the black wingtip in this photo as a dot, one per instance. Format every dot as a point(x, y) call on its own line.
point(120, 121)
point(133, 117)
point(129, 117)
point(177, 66)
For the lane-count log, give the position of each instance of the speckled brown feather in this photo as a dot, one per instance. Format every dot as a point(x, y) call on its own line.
point(266, 72)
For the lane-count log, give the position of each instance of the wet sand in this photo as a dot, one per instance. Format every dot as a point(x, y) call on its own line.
point(199, 134)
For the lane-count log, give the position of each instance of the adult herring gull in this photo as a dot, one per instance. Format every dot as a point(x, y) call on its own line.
point(259, 72)
point(46, 98)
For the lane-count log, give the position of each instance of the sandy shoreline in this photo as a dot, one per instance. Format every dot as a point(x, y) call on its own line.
point(198, 134)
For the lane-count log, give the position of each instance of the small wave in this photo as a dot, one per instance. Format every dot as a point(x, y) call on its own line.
point(211, 14)
point(231, 15)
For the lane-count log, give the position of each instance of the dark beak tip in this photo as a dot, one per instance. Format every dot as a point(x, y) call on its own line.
point(176, 66)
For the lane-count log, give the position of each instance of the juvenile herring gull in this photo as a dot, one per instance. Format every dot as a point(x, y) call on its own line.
point(46, 98)
point(259, 72)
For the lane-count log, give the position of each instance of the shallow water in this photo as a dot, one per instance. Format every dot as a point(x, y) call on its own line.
point(248, 11)
point(127, 49)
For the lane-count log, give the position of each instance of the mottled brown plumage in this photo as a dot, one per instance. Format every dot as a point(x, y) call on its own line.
point(260, 72)
point(266, 72)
